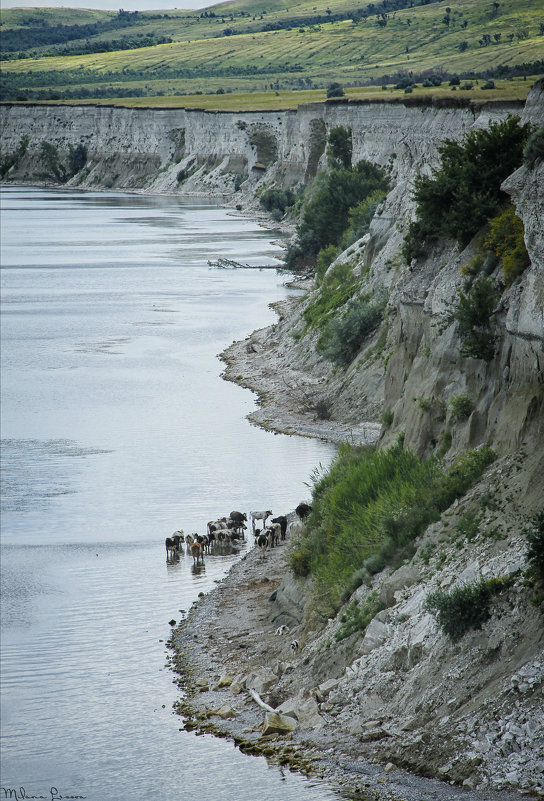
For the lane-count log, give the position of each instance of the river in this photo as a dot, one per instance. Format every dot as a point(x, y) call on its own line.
point(116, 431)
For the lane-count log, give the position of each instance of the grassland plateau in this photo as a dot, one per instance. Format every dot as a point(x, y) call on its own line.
point(258, 55)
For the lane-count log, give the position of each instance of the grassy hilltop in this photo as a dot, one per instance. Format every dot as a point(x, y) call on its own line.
point(256, 46)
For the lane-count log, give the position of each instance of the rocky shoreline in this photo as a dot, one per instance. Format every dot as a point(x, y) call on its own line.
point(228, 646)
point(227, 649)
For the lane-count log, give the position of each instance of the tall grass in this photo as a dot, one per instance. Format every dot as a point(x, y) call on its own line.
point(370, 507)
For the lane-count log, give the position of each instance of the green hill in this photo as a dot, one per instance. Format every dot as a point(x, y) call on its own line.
point(243, 46)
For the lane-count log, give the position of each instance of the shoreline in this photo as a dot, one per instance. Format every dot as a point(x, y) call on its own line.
point(227, 645)
point(256, 363)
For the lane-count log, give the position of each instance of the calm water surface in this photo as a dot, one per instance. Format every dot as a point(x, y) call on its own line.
point(117, 430)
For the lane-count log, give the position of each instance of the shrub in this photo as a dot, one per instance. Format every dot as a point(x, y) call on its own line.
point(325, 216)
point(369, 508)
point(323, 409)
point(444, 444)
point(335, 89)
point(534, 538)
point(465, 607)
point(358, 616)
point(488, 85)
point(464, 191)
point(342, 338)
point(506, 241)
point(53, 168)
point(77, 158)
point(277, 199)
point(534, 147)
point(461, 406)
point(467, 526)
point(340, 148)
point(300, 561)
point(335, 289)
point(474, 314)
point(360, 217)
point(387, 418)
point(325, 258)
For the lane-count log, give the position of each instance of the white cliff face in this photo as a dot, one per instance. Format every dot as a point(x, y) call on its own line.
point(146, 149)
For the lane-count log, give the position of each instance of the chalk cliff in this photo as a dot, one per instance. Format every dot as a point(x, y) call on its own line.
point(187, 151)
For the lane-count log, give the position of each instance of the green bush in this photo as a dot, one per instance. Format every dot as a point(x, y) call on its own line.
point(467, 526)
point(325, 258)
point(506, 241)
point(465, 607)
point(474, 314)
point(369, 508)
point(461, 406)
point(464, 191)
point(77, 158)
point(53, 168)
point(277, 199)
point(300, 561)
point(387, 418)
point(358, 616)
point(335, 89)
point(335, 289)
point(360, 217)
point(340, 148)
point(325, 215)
point(342, 338)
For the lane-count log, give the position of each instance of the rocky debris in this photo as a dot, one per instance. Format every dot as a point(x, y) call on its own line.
point(276, 723)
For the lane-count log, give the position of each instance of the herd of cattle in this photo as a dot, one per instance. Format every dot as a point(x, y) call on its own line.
point(232, 528)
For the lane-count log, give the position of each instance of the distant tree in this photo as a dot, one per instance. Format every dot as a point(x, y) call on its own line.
point(462, 46)
point(340, 147)
point(335, 90)
point(497, 37)
point(77, 158)
point(52, 165)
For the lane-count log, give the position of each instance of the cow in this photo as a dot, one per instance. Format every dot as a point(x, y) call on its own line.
point(259, 516)
point(282, 520)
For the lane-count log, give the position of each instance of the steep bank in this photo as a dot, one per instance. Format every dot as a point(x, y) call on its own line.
point(225, 154)
point(401, 694)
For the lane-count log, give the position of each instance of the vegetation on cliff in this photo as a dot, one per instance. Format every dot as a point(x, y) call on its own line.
point(464, 192)
point(368, 510)
point(336, 193)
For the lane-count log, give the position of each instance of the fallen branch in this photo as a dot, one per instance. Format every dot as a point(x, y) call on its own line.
point(258, 700)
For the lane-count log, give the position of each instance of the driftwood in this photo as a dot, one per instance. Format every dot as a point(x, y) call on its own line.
point(258, 700)
point(230, 264)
